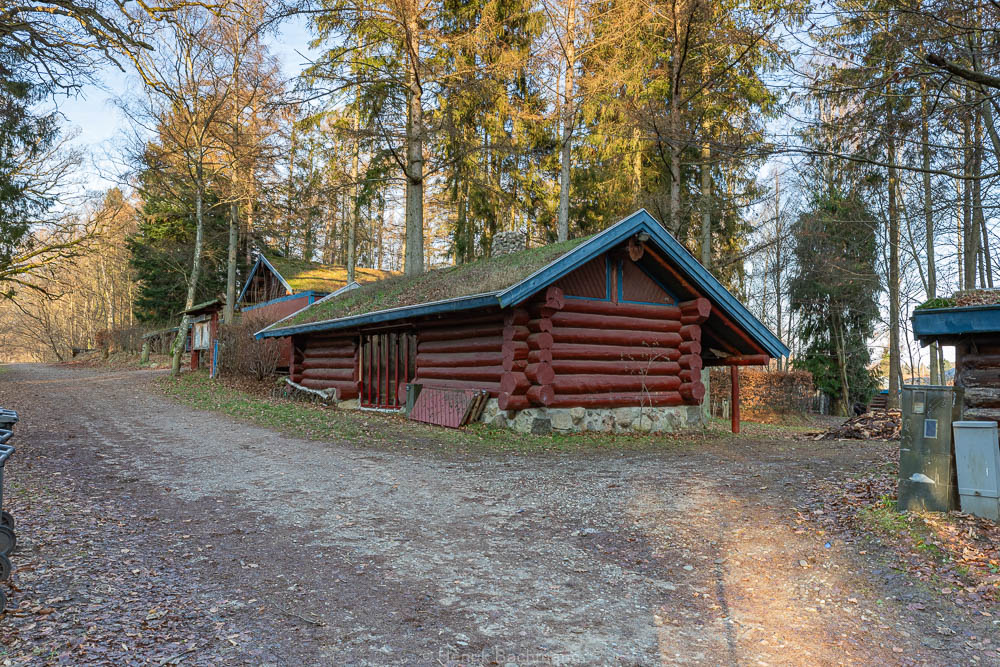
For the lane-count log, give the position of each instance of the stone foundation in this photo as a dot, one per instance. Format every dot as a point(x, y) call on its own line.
point(541, 421)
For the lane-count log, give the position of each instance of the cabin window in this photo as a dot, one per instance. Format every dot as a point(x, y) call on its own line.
point(387, 363)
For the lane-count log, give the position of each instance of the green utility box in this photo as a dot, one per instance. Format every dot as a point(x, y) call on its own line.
point(927, 478)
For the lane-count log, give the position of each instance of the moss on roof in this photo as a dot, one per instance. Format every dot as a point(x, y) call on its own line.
point(303, 275)
point(479, 277)
point(970, 297)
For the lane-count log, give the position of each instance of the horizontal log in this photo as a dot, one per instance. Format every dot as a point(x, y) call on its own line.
point(691, 332)
point(540, 324)
point(515, 333)
point(296, 377)
point(539, 356)
point(515, 349)
point(540, 341)
point(691, 361)
point(982, 414)
point(969, 360)
point(602, 384)
point(515, 317)
point(655, 312)
point(345, 391)
point(515, 364)
point(325, 341)
point(617, 400)
point(595, 321)
point(514, 383)
point(459, 333)
point(328, 351)
point(985, 377)
point(511, 402)
point(607, 352)
point(587, 366)
point(540, 373)
point(697, 310)
point(554, 298)
point(693, 392)
point(541, 394)
point(688, 375)
point(614, 337)
point(690, 347)
point(328, 362)
point(982, 397)
point(469, 345)
point(492, 387)
point(461, 359)
point(344, 374)
point(487, 373)
point(741, 360)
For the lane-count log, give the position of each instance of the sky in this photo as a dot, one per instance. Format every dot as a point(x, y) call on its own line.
point(101, 126)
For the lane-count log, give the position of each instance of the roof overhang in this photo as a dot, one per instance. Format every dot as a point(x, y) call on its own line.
point(379, 317)
point(951, 324)
point(640, 223)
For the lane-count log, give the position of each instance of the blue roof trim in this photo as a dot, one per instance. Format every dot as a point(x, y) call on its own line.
point(261, 260)
point(246, 283)
point(307, 293)
point(929, 323)
point(419, 310)
point(642, 221)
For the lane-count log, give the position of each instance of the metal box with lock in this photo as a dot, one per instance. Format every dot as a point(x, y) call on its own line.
point(927, 479)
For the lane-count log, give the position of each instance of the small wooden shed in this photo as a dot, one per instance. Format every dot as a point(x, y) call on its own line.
point(974, 331)
point(580, 333)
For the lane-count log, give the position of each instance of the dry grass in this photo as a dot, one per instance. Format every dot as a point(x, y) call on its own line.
point(304, 276)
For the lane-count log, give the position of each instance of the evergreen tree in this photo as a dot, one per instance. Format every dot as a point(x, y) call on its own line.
point(161, 249)
point(834, 293)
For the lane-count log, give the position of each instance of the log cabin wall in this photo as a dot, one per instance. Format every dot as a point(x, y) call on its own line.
point(977, 370)
point(326, 362)
point(464, 352)
point(619, 341)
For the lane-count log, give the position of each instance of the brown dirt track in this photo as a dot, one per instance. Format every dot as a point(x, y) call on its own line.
point(154, 533)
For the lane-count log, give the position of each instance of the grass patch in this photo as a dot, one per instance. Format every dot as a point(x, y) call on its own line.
point(375, 430)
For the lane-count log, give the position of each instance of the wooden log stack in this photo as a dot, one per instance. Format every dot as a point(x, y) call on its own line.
point(461, 356)
point(327, 362)
point(977, 369)
point(564, 352)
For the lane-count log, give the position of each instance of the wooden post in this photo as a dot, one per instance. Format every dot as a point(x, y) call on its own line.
point(195, 359)
point(734, 411)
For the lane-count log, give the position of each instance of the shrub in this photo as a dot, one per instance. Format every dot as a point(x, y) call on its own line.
point(241, 355)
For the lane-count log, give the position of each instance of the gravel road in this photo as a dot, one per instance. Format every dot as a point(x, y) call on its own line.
point(325, 553)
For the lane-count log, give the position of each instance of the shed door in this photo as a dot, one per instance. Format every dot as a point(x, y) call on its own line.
point(388, 360)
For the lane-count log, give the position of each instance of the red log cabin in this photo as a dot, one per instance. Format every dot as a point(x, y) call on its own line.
point(609, 332)
point(277, 286)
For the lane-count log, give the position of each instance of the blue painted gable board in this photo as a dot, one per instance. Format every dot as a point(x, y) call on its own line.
point(642, 221)
point(931, 322)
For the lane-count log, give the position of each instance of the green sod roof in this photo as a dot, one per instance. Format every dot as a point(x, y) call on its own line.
point(480, 277)
point(304, 276)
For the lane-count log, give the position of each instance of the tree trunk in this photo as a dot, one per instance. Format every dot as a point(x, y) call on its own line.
point(675, 147)
point(925, 154)
point(414, 160)
point(980, 234)
point(970, 247)
point(568, 114)
point(777, 256)
point(706, 246)
point(894, 363)
point(234, 237)
point(178, 351)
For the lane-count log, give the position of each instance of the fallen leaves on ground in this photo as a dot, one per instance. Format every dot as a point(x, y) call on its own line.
point(956, 554)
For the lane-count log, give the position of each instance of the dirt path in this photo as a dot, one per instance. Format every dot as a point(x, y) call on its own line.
point(269, 549)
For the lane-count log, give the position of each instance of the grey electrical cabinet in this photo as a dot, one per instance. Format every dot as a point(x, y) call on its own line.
point(926, 456)
point(977, 460)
